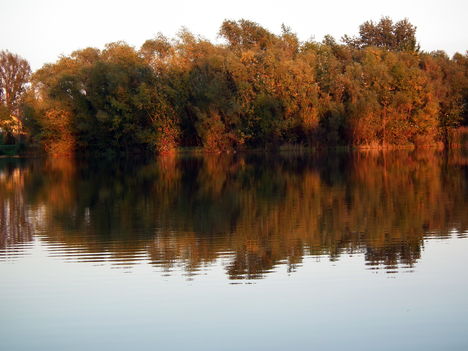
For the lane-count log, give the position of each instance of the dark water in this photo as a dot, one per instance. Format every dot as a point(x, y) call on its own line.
point(247, 252)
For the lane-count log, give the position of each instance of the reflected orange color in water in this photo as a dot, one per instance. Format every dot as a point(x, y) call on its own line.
point(257, 211)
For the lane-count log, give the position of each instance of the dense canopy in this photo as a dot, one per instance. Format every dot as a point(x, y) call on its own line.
point(255, 89)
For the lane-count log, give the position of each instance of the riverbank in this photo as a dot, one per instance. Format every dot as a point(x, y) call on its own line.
point(458, 140)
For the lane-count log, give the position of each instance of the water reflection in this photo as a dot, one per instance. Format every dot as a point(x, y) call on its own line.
point(257, 212)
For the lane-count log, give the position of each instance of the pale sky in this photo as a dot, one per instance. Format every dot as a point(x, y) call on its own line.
point(41, 31)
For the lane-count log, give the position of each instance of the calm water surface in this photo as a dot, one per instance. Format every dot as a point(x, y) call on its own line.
point(348, 251)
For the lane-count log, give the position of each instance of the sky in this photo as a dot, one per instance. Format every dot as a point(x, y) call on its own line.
point(41, 31)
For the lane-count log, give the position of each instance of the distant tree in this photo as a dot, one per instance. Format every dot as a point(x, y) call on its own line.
point(399, 36)
point(14, 76)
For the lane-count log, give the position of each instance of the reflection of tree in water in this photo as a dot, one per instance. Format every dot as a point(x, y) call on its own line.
point(15, 227)
point(260, 211)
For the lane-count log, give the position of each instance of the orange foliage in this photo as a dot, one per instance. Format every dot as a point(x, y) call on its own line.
point(58, 138)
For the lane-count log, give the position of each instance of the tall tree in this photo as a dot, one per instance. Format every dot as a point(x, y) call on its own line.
point(14, 75)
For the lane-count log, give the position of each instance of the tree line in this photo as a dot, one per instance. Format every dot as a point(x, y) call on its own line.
point(256, 89)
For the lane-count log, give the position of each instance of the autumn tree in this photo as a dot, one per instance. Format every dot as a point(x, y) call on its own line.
point(449, 81)
point(255, 89)
point(110, 96)
point(399, 36)
point(14, 77)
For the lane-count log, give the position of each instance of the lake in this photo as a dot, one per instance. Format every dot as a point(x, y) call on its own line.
point(292, 251)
